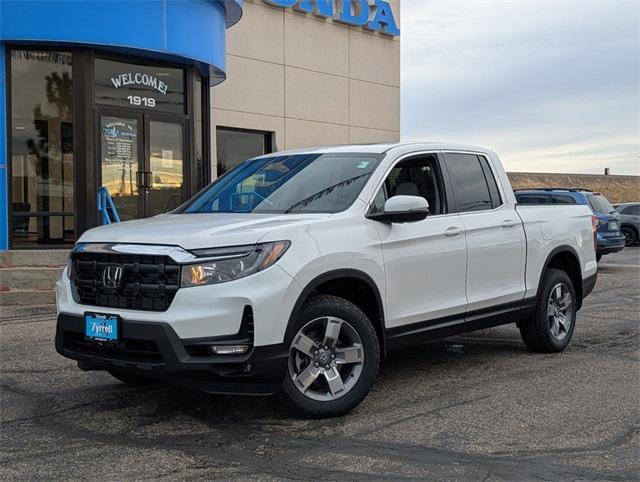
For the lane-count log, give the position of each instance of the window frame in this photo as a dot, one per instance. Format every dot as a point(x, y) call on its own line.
point(442, 180)
point(487, 169)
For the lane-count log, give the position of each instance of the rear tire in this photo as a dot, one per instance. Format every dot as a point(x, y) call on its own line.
point(334, 356)
point(630, 237)
point(132, 380)
point(551, 327)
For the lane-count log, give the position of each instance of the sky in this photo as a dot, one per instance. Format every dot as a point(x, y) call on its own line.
point(551, 86)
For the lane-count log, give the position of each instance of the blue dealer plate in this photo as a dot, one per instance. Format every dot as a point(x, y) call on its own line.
point(99, 327)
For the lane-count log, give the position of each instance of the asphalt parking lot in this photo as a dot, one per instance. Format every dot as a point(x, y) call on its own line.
point(478, 406)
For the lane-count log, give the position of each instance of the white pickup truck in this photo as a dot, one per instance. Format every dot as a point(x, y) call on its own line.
point(298, 272)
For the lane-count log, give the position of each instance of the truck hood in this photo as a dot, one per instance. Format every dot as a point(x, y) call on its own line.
point(192, 231)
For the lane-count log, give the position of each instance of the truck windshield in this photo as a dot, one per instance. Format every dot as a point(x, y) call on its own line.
point(600, 204)
point(317, 183)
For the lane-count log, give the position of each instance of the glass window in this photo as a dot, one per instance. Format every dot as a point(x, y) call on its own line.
point(234, 146)
point(413, 177)
point(141, 86)
point(599, 203)
point(470, 185)
point(562, 199)
point(167, 167)
point(491, 182)
point(202, 178)
point(325, 183)
point(41, 142)
point(531, 199)
point(631, 210)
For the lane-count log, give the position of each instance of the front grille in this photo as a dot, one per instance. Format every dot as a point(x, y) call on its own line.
point(127, 349)
point(149, 283)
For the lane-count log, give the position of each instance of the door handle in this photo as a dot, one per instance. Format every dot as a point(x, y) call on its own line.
point(509, 223)
point(148, 180)
point(453, 231)
point(140, 179)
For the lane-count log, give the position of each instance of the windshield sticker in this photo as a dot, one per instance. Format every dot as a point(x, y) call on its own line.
point(362, 164)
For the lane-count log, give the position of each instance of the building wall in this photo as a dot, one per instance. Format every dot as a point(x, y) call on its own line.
point(309, 80)
point(617, 189)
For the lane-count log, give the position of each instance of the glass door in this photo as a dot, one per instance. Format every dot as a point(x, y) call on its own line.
point(122, 161)
point(142, 162)
point(165, 142)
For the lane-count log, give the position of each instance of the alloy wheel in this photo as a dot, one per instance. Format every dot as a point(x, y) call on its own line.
point(326, 358)
point(559, 311)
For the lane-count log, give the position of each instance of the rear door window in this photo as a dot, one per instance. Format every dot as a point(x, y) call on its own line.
point(599, 203)
point(469, 182)
point(496, 199)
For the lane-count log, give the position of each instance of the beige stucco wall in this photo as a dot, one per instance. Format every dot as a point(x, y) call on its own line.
point(309, 80)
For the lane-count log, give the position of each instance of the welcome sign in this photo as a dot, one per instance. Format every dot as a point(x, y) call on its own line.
point(375, 15)
point(137, 78)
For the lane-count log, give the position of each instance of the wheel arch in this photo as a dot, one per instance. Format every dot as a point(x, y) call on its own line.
point(633, 227)
point(336, 282)
point(565, 258)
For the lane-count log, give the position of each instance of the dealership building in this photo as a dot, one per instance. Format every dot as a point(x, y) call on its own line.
point(152, 99)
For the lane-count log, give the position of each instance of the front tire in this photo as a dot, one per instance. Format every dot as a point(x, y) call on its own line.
point(551, 327)
point(334, 356)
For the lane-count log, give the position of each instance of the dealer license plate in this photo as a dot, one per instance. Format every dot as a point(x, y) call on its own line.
point(99, 327)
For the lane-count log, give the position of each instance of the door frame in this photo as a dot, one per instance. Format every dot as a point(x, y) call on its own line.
point(144, 120)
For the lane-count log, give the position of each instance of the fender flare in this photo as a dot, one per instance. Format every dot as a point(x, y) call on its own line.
point(565, 248)
point(334, 275)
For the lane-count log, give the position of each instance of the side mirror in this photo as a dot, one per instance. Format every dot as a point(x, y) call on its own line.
point(402, 209)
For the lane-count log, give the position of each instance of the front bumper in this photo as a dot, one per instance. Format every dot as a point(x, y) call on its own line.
point(212, 310)
point(154, 350)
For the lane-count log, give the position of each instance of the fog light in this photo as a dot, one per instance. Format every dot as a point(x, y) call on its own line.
point(229, 349)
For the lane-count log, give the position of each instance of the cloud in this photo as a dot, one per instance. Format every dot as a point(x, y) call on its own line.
point(552, 86)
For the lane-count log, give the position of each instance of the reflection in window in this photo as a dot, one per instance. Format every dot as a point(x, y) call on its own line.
point(318, 183)
point(41, 141)
point(166, 162)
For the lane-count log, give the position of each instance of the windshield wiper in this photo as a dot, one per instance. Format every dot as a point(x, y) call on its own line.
point(327, 190)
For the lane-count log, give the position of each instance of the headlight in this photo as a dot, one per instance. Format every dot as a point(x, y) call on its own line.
point(232, 263)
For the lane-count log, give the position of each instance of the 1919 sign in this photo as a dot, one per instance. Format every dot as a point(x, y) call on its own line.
point(141, 101)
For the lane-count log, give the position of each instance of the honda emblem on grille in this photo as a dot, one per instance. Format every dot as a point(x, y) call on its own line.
point(112, 276)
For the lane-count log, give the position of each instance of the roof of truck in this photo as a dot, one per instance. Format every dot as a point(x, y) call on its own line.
point(382, 148)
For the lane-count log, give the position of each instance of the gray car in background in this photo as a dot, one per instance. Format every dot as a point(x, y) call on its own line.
point(630, 222)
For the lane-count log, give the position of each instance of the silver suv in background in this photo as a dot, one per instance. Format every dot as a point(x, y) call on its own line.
point(630, 222)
